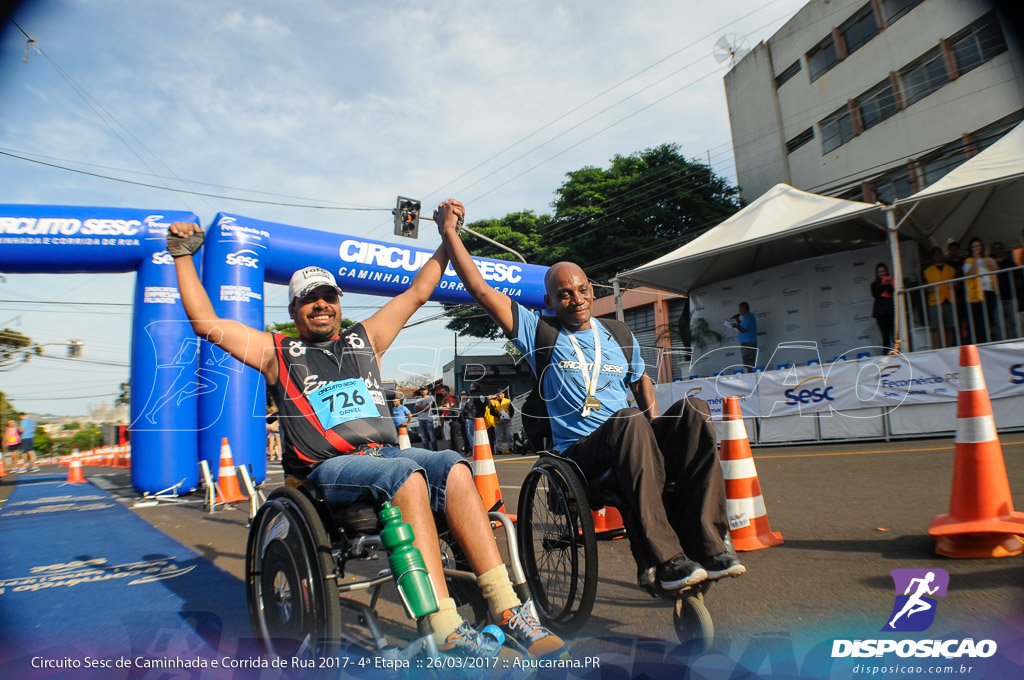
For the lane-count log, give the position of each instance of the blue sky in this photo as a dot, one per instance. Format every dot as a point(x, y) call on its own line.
point(334, 104)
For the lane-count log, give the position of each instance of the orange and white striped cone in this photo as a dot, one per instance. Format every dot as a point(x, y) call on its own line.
point(3, 470)
point(75, 474)
point(485, 475)
point(981, 520)
point(744, 504)
point(227, 478)
point(403, 438)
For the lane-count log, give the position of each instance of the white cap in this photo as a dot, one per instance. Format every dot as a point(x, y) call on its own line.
point(306, 280)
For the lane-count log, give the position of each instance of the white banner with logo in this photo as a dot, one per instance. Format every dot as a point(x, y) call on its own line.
point(848, 386)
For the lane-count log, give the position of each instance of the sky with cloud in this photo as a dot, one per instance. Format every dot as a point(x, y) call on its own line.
point(336, 105)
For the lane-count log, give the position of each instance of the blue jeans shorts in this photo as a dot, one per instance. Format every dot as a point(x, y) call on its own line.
point(376, 479)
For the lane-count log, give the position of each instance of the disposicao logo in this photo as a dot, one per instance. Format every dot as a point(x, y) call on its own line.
point(914, 611)
point(915, 608)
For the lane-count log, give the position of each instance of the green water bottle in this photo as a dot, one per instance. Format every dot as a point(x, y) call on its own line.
point(407, 567)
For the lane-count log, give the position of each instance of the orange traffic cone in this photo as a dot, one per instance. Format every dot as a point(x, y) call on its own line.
point(981, 521)
point(403, 438)
point(748, 519)
point(227, 479)
point(75, 475)
point(3, 470)
point(608, 523)
point(484, 473)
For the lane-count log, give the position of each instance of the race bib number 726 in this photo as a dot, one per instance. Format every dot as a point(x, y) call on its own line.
point(342, 401)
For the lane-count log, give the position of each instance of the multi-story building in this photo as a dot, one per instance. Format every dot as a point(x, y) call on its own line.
point(874, 99)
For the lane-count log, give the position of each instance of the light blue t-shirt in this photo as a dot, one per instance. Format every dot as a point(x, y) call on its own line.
point(564, 386)
point(28, 427)
point(400, 414)
point(748, 321)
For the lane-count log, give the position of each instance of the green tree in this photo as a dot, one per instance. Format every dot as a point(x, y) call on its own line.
point(43, 442)
point(608, 220)
point(125, 397)
point(643, 206)
point(16, 348)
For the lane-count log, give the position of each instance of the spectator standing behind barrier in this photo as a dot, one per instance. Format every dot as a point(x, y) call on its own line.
point(1010, 286)
point(883, 310)
point(500, 411)
point(465, 421)
point(981, 293)
point(1018, 259)
point(955, 259)
point(401, 414)
point(450, 418)
point(425, 419)
point(273, 435)
point(746, 325)
point(940, 305)
point(477, 409)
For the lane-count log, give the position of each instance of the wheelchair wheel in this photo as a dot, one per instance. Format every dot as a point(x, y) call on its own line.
point(693, 622)
point(557, 545)
point(289, 575)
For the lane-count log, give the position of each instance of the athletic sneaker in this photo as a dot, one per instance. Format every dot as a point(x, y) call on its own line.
point(521, 625)
point(724, 564)
point(468, 641)
point(680, 572)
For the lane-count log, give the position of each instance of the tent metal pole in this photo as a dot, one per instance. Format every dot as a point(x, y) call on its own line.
point(897, 274)
point(617, 292)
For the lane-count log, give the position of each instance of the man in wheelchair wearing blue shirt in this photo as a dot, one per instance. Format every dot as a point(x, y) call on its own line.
point(338, 433)
point(666, 468)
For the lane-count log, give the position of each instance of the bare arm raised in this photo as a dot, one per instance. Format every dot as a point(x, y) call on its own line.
point(497, 305)
point(252, 347)
point(383, 327)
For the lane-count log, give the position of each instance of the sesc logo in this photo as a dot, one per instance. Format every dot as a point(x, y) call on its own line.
point(1017, 374)
point(243, 258)
point(809, 395)
point(162, 257)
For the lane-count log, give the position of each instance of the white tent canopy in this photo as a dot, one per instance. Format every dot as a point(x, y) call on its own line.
point(783, 225)
point(982, 197)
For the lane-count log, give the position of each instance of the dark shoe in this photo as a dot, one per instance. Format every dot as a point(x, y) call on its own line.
point(722, 565)
point(680, 572)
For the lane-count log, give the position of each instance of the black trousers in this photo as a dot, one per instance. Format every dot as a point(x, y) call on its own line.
point(669, 476)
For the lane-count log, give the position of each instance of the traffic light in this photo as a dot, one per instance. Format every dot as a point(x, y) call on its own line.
point(407, 217)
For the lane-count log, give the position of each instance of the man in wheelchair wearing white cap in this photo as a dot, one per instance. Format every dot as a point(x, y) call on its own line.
point(338, 433)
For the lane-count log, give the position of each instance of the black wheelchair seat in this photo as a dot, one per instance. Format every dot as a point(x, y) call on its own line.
point(357, 519)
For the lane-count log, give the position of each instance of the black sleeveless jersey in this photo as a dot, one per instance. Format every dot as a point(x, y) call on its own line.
point(330, 400)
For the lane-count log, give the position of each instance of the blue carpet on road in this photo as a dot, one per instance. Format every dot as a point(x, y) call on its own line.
point(81, 575)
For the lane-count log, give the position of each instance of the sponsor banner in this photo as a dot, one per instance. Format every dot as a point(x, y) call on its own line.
point(846, 386)
point(46, 239)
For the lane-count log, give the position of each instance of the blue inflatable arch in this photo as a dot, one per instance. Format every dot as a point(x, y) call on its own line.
point(186, 393)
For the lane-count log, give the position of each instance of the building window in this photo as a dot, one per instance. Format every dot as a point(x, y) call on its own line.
point(877, 104)
point(894, 186)
point(924, 76)
point(837, 129)
point(822, 58)
point(937, 165)
point(990, 134)
point(852, 194)
point(859, 29)
point(894, 9)
point(981, 41)
point(801, 139)
point(791, 71)
point(639, 319)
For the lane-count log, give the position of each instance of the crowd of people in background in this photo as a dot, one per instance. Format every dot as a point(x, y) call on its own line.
point(987, 306)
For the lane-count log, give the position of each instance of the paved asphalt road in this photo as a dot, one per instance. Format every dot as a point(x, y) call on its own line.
point(849, 513)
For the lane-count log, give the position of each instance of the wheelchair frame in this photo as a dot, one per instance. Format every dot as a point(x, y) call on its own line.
point(296, 555)
point(558, 547)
